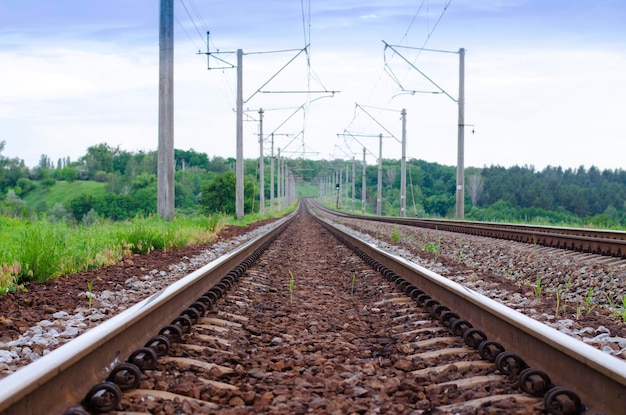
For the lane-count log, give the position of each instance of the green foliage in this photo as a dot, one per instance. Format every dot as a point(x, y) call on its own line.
point(99, 160)
point(434, 247)
point(537, 288)
point(503, 211)
point(440, 205)
point(67, 173)
point(395, 234)
point(12, 206)
point(218, 196)
point(40, 251)
point(58, 213)
point(43, 250)
point(292, 282)
point(63, 192)
point(578, 197)
point(90, 290)
point(48, 183)
point(25, 184)
point(91, 218)
point(144, 237)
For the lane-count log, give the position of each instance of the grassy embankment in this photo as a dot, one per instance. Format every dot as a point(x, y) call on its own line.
point(36, 251)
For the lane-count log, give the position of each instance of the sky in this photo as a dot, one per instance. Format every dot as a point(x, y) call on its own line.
point(544, 79)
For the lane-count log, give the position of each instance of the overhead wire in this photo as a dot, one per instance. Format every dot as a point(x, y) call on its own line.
point(387, 67)
point(198, 15)
point(192, 20)
point(186, 33)
point(406, 33)
point(428, 37)
point(306, 31)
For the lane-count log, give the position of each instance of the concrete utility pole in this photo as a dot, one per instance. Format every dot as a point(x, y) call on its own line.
point(353, 182)
point(345, 207)
point(339, 189)
point(460, 165)
point(261, 166)
point(363, 179)
point(403, 168)
point(278, 173)
point(165, 162)
point(285, 182)
point(239, 166)
point(379, 197)
point(272, 177)
point(337, 179)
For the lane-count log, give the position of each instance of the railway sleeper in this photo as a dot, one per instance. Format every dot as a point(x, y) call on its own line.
point(557, 400)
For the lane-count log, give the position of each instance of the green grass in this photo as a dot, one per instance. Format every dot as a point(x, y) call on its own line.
point(395, 235)
point(62, 192)
point(39, 251)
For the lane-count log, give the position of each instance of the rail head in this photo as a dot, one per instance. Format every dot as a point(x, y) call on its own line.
point(61, 378)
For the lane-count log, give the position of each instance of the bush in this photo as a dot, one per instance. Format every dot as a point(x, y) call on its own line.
point(25, 184)
point(49, 182)
point(58, 213)
point(90, 218)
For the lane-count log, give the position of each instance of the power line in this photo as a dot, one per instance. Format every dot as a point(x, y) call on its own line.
point(198, 15)
point(192, 20)
point(412, 21)
point(186, 33)
point(390, 72)
point(437, 23)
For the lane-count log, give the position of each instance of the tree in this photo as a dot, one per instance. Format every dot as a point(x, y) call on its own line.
point(475, 185)
point(11, 170)
point(99, 158)
point(219, 194)
point(81, 205)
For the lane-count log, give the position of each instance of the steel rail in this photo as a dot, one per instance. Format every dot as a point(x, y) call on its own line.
point(596, 377)
point(602, 242)
point(62, 378)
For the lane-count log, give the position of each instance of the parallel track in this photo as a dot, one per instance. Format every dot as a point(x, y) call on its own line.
point(602, 242)
point(63, 378)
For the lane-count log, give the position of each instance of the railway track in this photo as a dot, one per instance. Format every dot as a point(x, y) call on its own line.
point(313, 326)
point(601, 242)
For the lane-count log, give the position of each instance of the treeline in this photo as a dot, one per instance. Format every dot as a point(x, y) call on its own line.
point(518, 193)
point(130, 181)
point(205, 185)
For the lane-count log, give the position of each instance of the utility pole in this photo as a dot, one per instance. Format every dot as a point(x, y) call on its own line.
point(403, 168)
point(337, 179)
point(285, 181)
point(379, 197)
point(460, 168)
point(278, 173)
point(239, 166)
point(403, 142)
point(272, 177)
point(460, 165)
point(165, 154)
point(363, 179)
point(353, 181)
point(261, 166)
point(345, 207)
